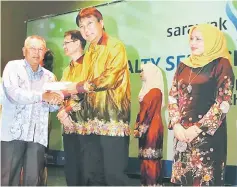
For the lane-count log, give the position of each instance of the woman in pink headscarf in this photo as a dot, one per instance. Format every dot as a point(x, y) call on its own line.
point(149, 127)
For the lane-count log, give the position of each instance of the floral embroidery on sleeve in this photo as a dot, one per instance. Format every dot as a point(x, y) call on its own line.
point(141, 126)
point(173, 107)
point(74, 104)
point(213, 118)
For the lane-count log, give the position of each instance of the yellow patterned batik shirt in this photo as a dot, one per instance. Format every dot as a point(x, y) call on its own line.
point(107, 106)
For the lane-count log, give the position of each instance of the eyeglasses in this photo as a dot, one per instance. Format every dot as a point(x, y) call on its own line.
point(33, 49)
point(65, 43)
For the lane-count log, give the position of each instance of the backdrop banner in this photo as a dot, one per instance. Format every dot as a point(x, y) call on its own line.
point(152, 31)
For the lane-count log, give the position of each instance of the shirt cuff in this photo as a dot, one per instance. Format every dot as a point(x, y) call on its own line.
point(80, 88)
point(68, 109)
point(38, 97)
point(66, 94)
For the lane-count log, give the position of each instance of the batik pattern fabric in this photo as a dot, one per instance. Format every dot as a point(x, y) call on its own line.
point(149, 130)
point(202, 161)
point(107, 104)
point(25, 115)
point(73, 104)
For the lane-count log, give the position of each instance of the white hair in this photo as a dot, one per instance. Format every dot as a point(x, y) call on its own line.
point(27, 40)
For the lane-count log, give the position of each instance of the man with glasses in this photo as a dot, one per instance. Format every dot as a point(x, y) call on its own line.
point(108, 96)
point(71, 115)
point(25, 112)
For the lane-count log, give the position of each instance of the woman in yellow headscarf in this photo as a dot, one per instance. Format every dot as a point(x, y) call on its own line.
point(199, 99)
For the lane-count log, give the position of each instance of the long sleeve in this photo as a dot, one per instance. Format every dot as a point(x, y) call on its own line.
point(15, 93)
point(140, 126)
point(53, 108)
point(173, 106)
point(225, 83)
point(1, 98)
point(115, 68)
point(74, 103)
point(161, 86)
point(1, 92)
point(147, 111)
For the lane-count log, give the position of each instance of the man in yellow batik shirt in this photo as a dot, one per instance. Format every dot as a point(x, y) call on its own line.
point(107, 88)
point(76, 144)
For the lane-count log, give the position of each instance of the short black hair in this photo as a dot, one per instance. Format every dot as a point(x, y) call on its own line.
point(76, 35)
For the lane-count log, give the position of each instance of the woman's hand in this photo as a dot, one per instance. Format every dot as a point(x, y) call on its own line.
point(192, 132)
point(179, 133)
point(136, 134)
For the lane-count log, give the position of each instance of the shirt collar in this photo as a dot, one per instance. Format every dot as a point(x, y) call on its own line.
point(33, 75)
point(102, 42)
point(104, 39)
point(79, 60)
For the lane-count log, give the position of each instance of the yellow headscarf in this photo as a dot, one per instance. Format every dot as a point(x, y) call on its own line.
point(214, 46)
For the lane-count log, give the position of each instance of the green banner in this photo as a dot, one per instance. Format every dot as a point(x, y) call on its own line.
point(152, 31)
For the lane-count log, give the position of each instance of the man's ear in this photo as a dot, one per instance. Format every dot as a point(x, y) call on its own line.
point(24, 51)
point(102, 23)
point(78, 42)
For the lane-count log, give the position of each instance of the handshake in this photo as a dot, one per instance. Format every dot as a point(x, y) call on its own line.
point(53, 91)
point(53, 98)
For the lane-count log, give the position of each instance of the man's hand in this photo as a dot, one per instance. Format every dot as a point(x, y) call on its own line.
point(136, 134)
point(76, 88)
point(192, 132)
point(67, 122)
point(52, 98)
point(71, 88)
point(179, 133)
point(64, 118)
point(62, 114)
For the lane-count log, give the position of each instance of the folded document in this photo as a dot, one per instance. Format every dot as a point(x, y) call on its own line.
point(55, 86)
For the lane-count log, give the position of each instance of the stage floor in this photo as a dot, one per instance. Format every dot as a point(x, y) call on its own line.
point(56, 177)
